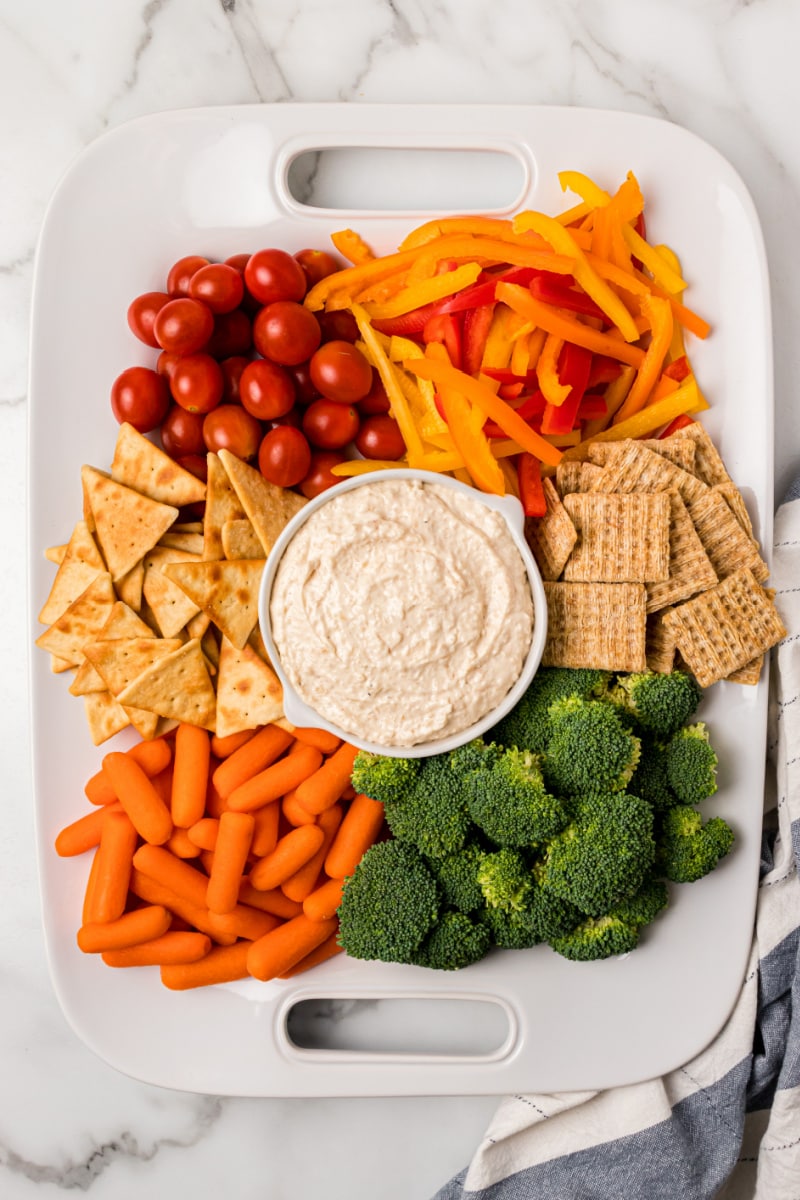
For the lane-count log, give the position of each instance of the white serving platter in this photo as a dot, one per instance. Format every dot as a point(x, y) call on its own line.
point(214, 181)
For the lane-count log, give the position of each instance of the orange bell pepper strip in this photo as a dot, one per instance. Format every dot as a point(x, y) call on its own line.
point(557, 322)
point(426, 291)
point(500, 227)
point(471, 445)
point(554, 391)
point(516, 253)
point(687, 399)
point(664, 275)
point(352, 246)
point(491, 405)
point(659, 314)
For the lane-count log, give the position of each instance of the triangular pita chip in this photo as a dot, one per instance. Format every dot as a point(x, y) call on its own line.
point(269, 508)
point(226, 591)
point(192, 542)
point(248, 691)
point(59, 665)
point(169, 603)
point(104, 715)
point(128, 524)
point(139, 464)
point(81, 564)
point(129, 587)
point(240, 540)
point(122, 622)
point(119, 661)
point(222, 504)
point(177, 687)
point(145, 723)
point(55, 554)
point(81, 623)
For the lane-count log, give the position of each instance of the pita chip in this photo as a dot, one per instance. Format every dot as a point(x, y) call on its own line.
point(81, 564)
point(226, 591)
point(177, 687)
point(81, 623)
point(170, 605)
point(240, 540)
point(104, 716)
point(122, 623)
point(222, 504)
point(269, 508)
point(141, 465)
point(248, 691)
point(127, 523)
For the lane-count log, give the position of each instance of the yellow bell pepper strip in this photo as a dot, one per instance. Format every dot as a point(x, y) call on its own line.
point(614, 397)
point(425, 292)
point(352, 246)
point(493, 227)
point(563, 242)
point(497, 350)
point(514, 254)
point(687, 399)
point(520, 352)
point(571, 215)
point(488, 402)
point(471, 445)
point(591, 194)
point(662, 273)
point(361, 466)
point(400, 348)
point(389, 378)
point(554, 391)
point(659, 314)
point(557, 322)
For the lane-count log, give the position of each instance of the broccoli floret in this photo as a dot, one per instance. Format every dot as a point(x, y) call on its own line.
point(649, 780)
point(432, 814)
point(383, 778)
point(528, 723)
point(457, 876)
point(645, 905)
point(686, 848)
point(389, 904)
point(505, 879)
point(589, 750)
point(456, 941)
point(597, 937)
point(603, 855)
point(691, 764)
point(661, 703)
point(542, 917)
point(507, 799)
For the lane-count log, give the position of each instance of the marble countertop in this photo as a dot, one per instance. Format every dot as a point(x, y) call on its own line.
point(69, 72)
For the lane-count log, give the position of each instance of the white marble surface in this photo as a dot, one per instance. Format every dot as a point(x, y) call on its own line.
point(71, 69)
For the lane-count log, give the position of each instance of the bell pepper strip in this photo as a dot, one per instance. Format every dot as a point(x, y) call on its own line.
point(591, 408)
point(554, 391)
point(564, 326)
point(659, 314)
point(664, 387)
point(477, 323)
point(473, 447)
point(426, 292)
point(389, 378)
point(564, 242)
point(678, 369)
point(531, 492)
point(482, 396)
point(575, 181)
point(362, 466)
point(574, 364)
point(558, 292)
point(662, 273)
point(352, 246)
point(445, 328)
point(497, 348)
point(614, 398)
point(431, 230)
point(400, 348)
point(513, 253)
point(603, 370)
point(572, 215)
point(687, 399)
point(680, 422)
point(521, 355)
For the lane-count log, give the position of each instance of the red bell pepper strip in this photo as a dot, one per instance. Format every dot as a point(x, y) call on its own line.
point(531, 407)
point(531, 491)
point(604, 370)
point(680, 422)
point(445, 328)
point(556, 290)
point(574, 364)
point(592, 408)
point(477, 322)
point(511, 391)
point(475, 296)
point(503, 376)
point(679, 369)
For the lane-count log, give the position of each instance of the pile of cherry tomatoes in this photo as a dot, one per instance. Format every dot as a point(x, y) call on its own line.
point(243, 365)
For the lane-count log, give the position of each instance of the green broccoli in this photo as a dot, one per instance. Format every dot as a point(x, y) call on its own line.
point(603, 855)
point(661, 703)
point(432, 813)
point(589, 750)
point(507, 799)
point(389, 904)
point(528, 724)
point(505, 879)
point(686, 848)
point(383, 778)
point(542, 917)
point(597, 937)
point(691, 764)
point(456, 941)
point(457, 876)
point(649, 780)
point(645, 905)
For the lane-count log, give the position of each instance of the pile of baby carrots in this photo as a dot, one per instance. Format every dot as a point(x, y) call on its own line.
point(216, 859)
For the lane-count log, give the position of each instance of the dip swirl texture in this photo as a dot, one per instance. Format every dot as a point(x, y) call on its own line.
point(402, 612)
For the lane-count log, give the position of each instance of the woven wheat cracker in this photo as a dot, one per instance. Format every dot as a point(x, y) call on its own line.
point(724, 541)
point(634, 468)
point(598, 625)
point(621, 538)
point(690, 569)
point(551, 537)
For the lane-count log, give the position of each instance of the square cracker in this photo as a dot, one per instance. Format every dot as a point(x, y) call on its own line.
point(708, 464)
point(621, 538)
point(725, 628)
point(679, 451)
point(635, 468)
point(141, 465)
point(660, 644)
point(724, 541)
point(690, 569)
point(551, 537)
point(600, 625)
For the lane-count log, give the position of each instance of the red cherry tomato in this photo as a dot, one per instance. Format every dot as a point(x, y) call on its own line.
point(380, 437)
point(330, 425)
point(284, 456)
point(182, 432)
point(233, 334)
point(304, 389)
point(317, 264)
point(183, 326)
point(292, 417)
point(266, 390)
point(181, 272)
point(338, 326)
point(198, 465)
point(340, 372)
point(165, 363)
point(229, 427)
point(286, 332)
point(231, 375)
point(376, 400)
point(218, 285)
point(140, 396)
point(142, 313)
point(319, 477)
point(196, 383)
point(274, 275)
point(238, 262)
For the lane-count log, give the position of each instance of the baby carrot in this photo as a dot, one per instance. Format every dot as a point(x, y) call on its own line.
point(83, 834)
point(172, 947)
point(141, 925)
point(181, 845)
point(324, 741)
point(88, 895)
point(223, 747)
point(173, 873)
point(153, 757)
point(326, 785)
point(273, 901)
point(293, 810)
point(299, 885)
point(230, 856)
point(292, 851)
point(327, 950)
point(322, 904)
point(244, 922)
point(215, 805)
point(190, 775)
point(203, 834)
point(285, 946)
point(361, 825)
point(195, 915)
point(142, 803)
point(276, 780)
point(265, 833)
point(256, 754)
point(223, 964)
point(115, 856)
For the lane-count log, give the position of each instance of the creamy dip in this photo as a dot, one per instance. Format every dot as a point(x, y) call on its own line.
point(401, 611)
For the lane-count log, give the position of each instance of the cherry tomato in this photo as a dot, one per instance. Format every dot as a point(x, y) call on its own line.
point(330, 425)
point(284, 456)
point(233, 334)
point(142, 313)
point(198, 465)
point(340, 372)
point(338, 326)
point(140, 396)
point(182, 432)
point(319, 477)
point(238, 262)
point(286, 332)
point(266, 390)
point(380, 437)
point(317, 264)
point(165, 363)
point(181, 272)
point(218, 285)
point(231, 375)
point(304, 388)
point(292, 417)
point(183, 325)
point(376, 400)
point(274, 275)
point(229, 427)
point(196, 383)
